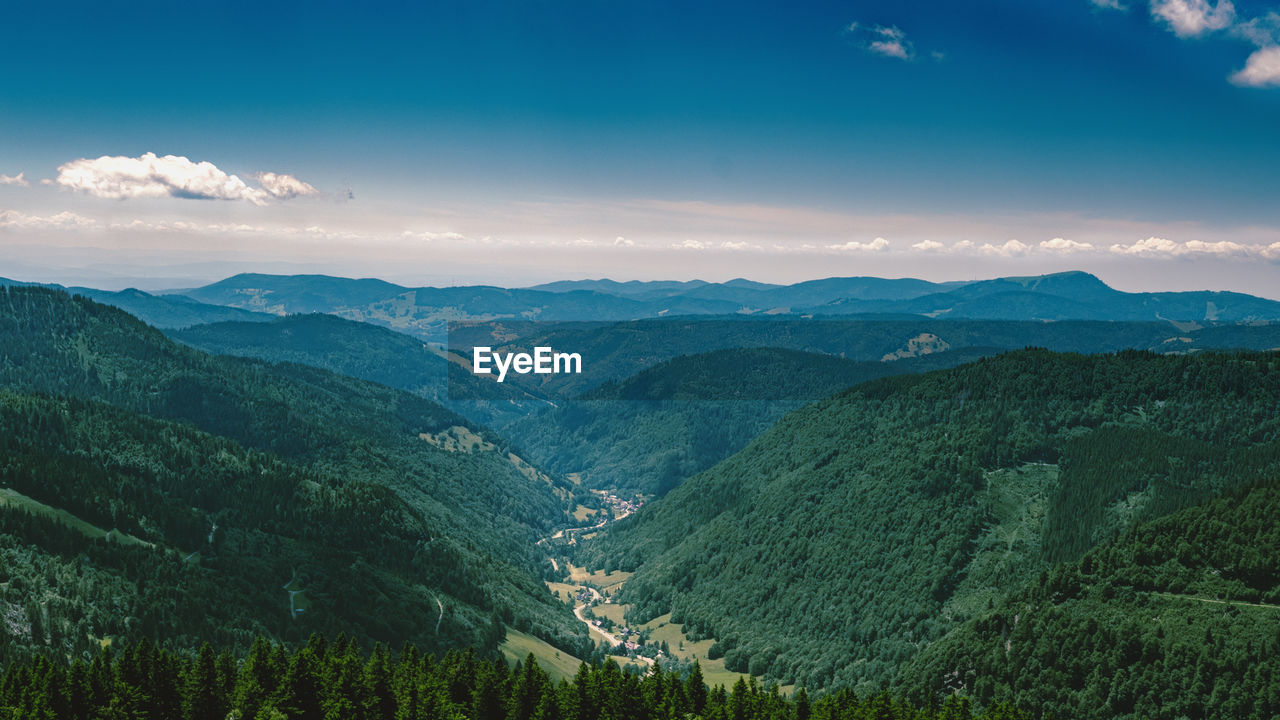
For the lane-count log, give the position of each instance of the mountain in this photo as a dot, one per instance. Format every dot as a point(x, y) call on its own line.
point(757, 296)
point(614, 351)
point(1069, 296)
point(398, 505)
point(370, 353)
point(162, 311)
point(638, 289)
point(426, 312)
point(647, 433)
point(285, 294)
point(863, 528)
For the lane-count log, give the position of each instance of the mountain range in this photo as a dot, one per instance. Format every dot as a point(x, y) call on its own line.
point(426, 311)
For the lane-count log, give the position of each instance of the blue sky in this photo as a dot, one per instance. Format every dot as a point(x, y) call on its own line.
point(515, 142)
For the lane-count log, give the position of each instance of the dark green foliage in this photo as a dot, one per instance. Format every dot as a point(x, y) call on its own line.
point(613, 351)
point(170, 486)
point(846, 538)
point(336, 681)
point(162, 311)
point(1180, 617)
point(367, 352)
point(649, 432)
point(376, 521)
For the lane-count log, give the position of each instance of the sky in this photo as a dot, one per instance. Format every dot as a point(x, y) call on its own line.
point(169, 144)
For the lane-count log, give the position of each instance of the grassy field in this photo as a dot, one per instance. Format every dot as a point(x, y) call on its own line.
point(607, 582)
point(558, 663)
point(563, 591)
point(16, 499)
point(624, 661)
point(611, 611)
point(661, 629)
point(582, 513)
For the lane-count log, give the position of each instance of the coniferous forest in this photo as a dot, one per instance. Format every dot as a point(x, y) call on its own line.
point(322, 680)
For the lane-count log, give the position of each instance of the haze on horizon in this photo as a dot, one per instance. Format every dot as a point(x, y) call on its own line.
point(159, 146)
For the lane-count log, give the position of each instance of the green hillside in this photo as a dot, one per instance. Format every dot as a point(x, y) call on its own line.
point(649, 432)
point(616, 351)
point(201, 539)
point(367, 352)
point(468, 514)
point(163, 311)
point(1179, 617)
point(863, 527)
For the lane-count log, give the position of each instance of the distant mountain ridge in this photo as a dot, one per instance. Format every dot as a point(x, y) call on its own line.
point(425, 311)
point(1070, 296)
point(162, 311)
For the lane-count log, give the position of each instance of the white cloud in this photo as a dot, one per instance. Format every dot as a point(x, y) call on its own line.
point(1223, 247)
point(60, 221)
point(1064, 246)
point(892, 42)
point(20, 180)
point(1272, 251)
point(1157, 247)
point(885, 41)
point(854, 246)
point(428, 236)
point(1262, 69)
point(1009, 249)
point(1109, 5)
point(1189, 18)
point(623, 242)
point(284, 187)
point(149, 176)
point(1150, 246)
point(928, 245)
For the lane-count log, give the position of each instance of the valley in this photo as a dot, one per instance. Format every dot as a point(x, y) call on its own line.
point(592, 596)
point(833, 504)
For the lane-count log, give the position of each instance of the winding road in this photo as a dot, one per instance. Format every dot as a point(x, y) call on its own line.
point(580, 607)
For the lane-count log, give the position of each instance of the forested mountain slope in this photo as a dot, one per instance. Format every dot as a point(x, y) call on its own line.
point(368, 352)
point(163, 311)
point(649, 432)
point(643, 434)
point(863, 527)
point(115, 527)
point(473, 510)
point(614, 351)
point(1179, 617)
